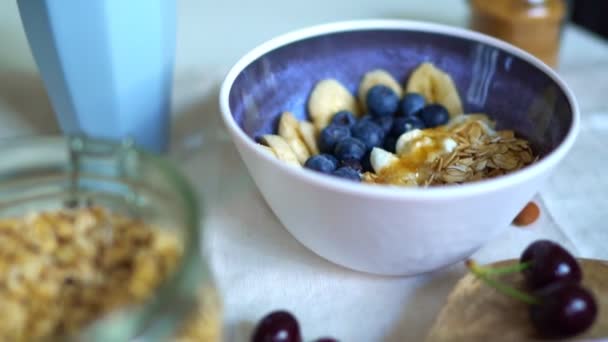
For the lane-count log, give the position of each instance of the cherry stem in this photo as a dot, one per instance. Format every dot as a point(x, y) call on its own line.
point(483, 274)
point(518, 267)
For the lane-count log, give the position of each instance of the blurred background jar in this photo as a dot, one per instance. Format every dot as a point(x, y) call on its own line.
point(50, 174)
point(533, 25)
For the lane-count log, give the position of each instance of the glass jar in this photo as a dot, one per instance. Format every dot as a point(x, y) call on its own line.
point(533, 25)
point(49, 173)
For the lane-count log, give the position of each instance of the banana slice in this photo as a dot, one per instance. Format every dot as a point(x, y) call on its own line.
point(299, 149)
point(432, 146)
point(281, 149)
point(288, 126)
point(374, 78)
point(267, 149)
point(288, 130)
point(436, 86)
point(407, 141)
point(309, 135)
point(327, 98)
point(381, 159)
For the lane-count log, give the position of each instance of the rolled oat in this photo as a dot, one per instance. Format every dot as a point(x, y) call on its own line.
point(60, 270)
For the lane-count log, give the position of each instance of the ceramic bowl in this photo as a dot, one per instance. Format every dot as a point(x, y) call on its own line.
point(381, 229)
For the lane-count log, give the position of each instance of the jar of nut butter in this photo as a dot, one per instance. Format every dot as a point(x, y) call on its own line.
point(533, 25)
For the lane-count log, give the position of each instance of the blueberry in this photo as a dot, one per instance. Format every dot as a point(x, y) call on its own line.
point(330, 136)
point(370, 133)
point(386, 122)
point(434, 115)
point(411, 103)
point(343, 118)
point(350, 148)
point(347, 173)
point(366, 117)
point(406, 124)
point(366, 162)
point(382, 101)
point(390, 143)
point(324, 163)
point(352, 163)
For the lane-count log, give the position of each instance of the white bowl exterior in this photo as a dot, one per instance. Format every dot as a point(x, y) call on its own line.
point(382, 229)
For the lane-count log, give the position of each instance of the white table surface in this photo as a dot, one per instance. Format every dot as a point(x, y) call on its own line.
point(259, 267)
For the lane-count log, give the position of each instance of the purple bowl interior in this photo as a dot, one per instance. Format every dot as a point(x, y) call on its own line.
point(515, 93)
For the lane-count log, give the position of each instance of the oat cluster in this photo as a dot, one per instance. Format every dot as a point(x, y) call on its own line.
point(60, 270)
point(480, 155)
